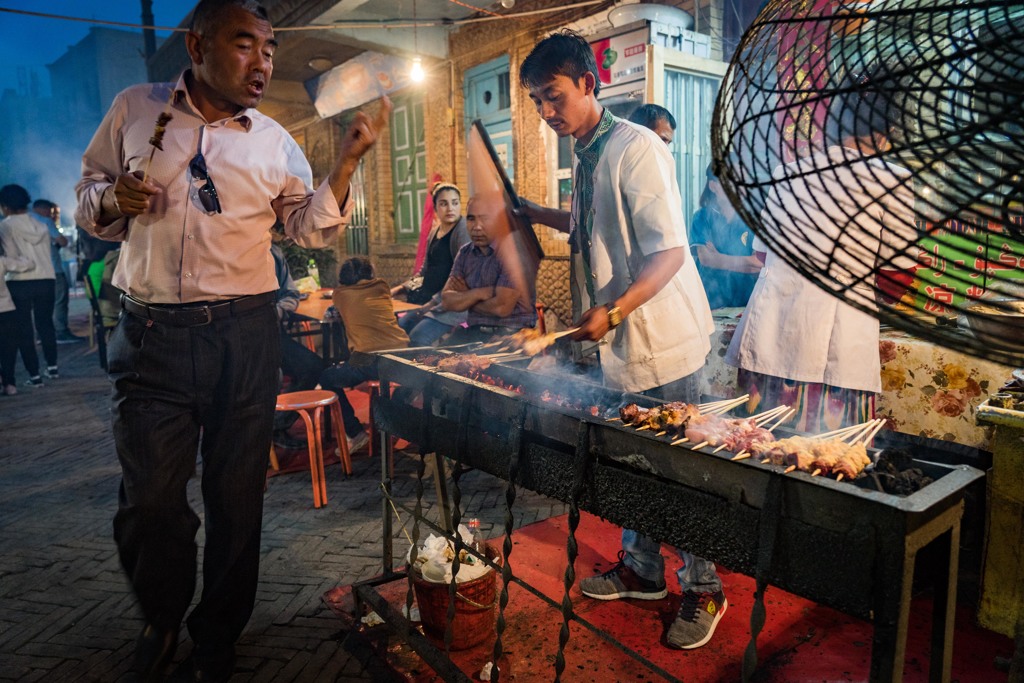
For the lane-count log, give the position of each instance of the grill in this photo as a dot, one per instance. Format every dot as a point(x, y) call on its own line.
point(747, 516)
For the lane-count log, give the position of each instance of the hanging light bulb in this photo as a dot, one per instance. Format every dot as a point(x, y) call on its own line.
point(508, 4)
point(416, 72)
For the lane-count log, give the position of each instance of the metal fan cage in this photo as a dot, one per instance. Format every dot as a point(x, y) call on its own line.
point(922, 227)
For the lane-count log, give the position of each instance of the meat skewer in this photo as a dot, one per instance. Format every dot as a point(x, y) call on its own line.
point(157, 139)
point(760, 420)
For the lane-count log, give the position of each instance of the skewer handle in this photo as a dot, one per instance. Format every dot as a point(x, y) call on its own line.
point(789, 469)
point(742, 455)
point(645, 427)
point(679, 441)
point(661, 433)
point(839, 477)
point(699, 446)
point(871, 435)
point(719, 448)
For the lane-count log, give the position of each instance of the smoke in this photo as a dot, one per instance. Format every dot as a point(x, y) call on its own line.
point(46, 166)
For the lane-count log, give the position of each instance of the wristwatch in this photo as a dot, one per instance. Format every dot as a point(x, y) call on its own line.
point(614, 316)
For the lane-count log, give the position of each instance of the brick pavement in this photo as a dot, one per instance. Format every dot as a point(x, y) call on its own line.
point(68, 614)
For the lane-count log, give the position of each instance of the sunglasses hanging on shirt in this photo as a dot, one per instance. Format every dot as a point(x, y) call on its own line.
point(208, 196)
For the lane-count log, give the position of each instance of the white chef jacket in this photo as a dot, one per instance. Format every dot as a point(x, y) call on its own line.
point(637, 212)
point(791, 327)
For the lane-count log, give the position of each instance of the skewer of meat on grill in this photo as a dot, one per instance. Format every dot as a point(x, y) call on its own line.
point(668, 417)
point(823, 456)
point(713, 430)
point(528, 341)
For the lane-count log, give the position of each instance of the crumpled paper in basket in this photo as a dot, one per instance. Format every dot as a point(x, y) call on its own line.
point(434, 564)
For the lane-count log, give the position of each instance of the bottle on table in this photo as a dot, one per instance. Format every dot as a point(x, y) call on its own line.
point(314, 272)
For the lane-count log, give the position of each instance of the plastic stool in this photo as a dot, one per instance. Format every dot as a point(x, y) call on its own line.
point(310, 405)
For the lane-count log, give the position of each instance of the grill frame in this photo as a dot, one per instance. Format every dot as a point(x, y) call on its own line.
point(750, 517)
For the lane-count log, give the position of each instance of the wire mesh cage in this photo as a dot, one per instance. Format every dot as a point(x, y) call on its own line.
point(877, 148)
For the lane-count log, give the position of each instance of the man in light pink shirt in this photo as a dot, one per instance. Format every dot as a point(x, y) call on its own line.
point(194, 357)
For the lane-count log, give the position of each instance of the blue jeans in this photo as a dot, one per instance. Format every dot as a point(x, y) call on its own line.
point(643, 554)
point(422, 331)
point(209, 389)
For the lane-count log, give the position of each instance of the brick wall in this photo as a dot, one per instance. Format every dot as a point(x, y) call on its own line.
point(470, 46)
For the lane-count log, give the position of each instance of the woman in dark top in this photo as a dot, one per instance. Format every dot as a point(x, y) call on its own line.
point(428, 324)
point(724, 248)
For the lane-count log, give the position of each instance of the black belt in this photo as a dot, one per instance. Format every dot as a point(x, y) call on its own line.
point(196, 314)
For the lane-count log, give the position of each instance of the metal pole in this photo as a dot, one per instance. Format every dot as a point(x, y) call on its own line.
point(148, 36)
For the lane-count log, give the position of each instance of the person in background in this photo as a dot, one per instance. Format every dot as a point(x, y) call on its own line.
point(50, 213)
point(195, 356)
point(32, 290)
point(11, 261)
point(658, 119)
point(724, 248)
point(91, 252)
point(364, 303)
point(797, 344)
point(428, 324)
point(302, 366)
point(634, 283)
point(485, 284)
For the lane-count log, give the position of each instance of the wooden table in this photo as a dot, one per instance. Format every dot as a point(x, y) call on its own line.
point(334, 345)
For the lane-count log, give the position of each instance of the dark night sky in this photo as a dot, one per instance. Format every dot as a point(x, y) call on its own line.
point(38, 41)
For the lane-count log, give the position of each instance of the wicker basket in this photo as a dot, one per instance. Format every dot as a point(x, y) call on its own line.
point(474, 606)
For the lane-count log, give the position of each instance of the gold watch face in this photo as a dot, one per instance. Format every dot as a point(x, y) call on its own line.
point(614, 316)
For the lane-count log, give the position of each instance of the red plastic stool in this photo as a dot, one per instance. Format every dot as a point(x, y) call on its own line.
point(310, 405)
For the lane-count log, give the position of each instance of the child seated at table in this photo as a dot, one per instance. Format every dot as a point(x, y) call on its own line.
point(364, 303)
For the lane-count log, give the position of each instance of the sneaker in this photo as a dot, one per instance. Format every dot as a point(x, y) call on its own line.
point(68, 338)
point(10, 390)
point(698, 616)
point(357, 442)
point(36, 381)
point(622, 582)
point(51, 372)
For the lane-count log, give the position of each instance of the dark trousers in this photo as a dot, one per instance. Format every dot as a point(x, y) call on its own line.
point(61, 291)
point(303, 367)
point(33, 300)
point(209, 389)
point(342, 376)
point(8, 347)
point(299, 363)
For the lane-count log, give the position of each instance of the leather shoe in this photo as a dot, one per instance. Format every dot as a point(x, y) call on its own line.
point(154, 650)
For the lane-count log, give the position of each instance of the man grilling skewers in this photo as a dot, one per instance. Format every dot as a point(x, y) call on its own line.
point(633, 283)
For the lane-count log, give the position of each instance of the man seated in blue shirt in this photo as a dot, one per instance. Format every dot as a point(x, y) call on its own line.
point(490, 280)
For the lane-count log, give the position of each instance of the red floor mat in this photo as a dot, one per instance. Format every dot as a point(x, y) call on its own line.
point(801, 641)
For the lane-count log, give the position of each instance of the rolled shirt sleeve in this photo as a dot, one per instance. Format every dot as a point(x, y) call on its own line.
point(102, 163)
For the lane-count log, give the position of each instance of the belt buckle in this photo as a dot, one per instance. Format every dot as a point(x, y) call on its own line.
point(209, 316)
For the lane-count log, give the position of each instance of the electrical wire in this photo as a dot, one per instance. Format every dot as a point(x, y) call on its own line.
point(380, 25)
